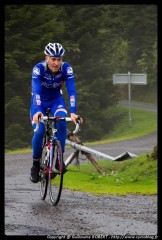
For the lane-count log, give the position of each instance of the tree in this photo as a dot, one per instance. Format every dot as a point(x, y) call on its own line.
point(99, 40)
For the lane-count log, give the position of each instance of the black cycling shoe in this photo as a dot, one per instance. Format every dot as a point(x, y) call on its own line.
point(35, 173)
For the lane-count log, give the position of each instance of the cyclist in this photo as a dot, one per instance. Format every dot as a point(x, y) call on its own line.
point(48, 77)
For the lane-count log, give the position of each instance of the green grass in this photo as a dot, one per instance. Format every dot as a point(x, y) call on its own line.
point(143, 123)
point(132, 176)
point(19, 151)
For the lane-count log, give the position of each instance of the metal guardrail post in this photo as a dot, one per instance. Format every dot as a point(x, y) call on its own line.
point(75, 139)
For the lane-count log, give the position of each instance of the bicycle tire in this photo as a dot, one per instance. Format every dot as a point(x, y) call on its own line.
point(56, 177)
point(43, 174)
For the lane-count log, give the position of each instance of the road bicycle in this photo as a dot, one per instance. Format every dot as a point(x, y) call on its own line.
point(51, 162)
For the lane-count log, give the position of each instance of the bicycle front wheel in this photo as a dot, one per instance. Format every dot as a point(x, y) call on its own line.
point(43, 174)
point(56, 176)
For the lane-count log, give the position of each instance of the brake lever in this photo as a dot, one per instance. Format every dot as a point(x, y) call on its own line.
point(77, 128)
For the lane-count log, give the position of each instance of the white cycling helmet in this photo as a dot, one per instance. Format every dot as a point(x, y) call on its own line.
point(54, 50)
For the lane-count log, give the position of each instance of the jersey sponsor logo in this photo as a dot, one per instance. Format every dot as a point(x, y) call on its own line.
point(58, 75)
point(52, 85)
point(48, 76)
point(36, 71)
point(69, 70)
point(38, 102)
point(72, 101)
point(37, 97)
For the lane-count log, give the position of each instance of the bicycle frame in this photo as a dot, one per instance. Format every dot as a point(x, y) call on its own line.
point(49, 170)
point(51, 138)
point(51, 143)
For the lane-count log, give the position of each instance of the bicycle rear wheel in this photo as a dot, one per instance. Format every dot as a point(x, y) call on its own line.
point(44, 174)
point(56, 176)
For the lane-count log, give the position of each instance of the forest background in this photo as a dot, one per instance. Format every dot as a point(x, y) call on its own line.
point(99, 40)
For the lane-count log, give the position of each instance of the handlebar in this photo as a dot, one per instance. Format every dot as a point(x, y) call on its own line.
point(68, 119)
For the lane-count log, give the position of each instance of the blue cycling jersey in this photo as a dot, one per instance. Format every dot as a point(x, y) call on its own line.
point(46, 86)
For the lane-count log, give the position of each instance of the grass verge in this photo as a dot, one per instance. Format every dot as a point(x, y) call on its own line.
point(132, 176)
point(143, 123)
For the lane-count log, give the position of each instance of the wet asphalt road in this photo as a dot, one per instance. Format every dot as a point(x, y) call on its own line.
point(77, 213)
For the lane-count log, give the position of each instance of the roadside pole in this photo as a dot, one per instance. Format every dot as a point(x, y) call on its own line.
point(123, 78)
